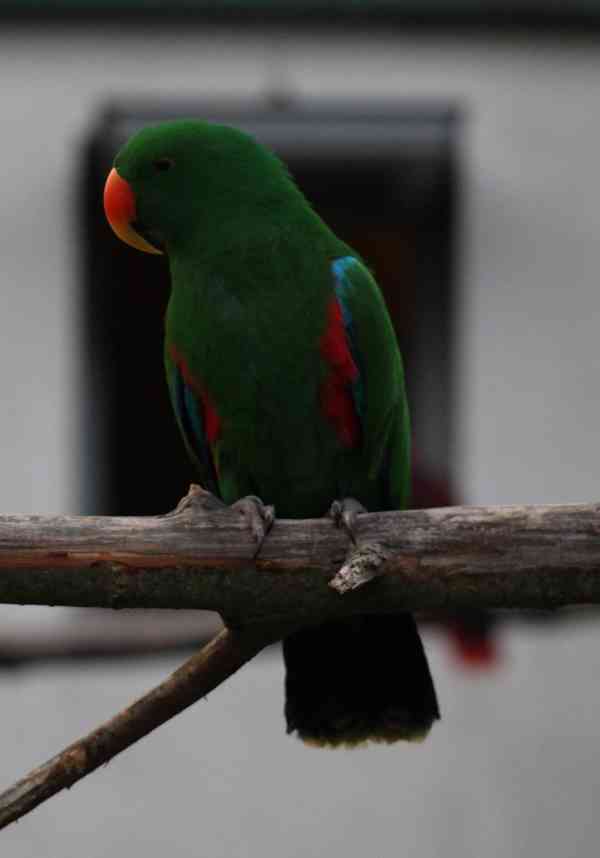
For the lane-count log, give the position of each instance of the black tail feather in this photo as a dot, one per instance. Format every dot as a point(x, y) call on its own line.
point(357, 679)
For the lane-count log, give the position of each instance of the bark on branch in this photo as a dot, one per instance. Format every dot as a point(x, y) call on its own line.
point(447, 559)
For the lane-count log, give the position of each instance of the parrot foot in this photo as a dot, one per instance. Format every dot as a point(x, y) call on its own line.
point(364, 561)
point(344, 514)
point(259, 517)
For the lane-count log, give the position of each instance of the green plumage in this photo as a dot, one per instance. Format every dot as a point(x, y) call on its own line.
point(252, 340)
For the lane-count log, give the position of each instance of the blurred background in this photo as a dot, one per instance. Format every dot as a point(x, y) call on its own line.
point(455, 145)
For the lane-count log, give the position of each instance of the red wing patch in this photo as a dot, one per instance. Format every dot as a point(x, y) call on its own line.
point(211, 419)
point(336, 395)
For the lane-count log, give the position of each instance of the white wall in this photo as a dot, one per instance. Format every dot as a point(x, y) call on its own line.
point(512, 768)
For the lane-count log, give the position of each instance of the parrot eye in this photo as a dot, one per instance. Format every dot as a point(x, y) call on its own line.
point(163, 164)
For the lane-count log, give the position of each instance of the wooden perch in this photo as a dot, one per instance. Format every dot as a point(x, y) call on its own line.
point(449, 559)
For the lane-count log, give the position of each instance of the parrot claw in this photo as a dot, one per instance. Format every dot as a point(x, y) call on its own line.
point(344, 514)
point(259, 517)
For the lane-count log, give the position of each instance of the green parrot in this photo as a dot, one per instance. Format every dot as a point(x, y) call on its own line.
point(287, 384)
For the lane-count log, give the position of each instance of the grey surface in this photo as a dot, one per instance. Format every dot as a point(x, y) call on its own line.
point(513, 768)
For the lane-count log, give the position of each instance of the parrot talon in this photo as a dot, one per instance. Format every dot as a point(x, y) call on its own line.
point(259, 517)
point(345, 513)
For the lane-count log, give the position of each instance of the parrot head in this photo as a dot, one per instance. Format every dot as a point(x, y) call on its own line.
point(171, 181)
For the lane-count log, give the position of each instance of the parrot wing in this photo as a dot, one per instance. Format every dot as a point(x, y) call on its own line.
point(378, 389)
point(198, 422)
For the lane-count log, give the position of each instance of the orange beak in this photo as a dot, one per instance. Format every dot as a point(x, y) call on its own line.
point(119, 206)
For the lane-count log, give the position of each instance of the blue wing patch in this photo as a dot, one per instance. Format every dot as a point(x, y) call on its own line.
point(343, 286)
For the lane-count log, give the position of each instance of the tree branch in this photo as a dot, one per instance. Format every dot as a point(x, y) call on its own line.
point(201, 556)
point(228, 651)
point(449, 559)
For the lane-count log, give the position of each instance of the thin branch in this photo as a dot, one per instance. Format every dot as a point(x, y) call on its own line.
point(227, 652)
point(448, 559)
